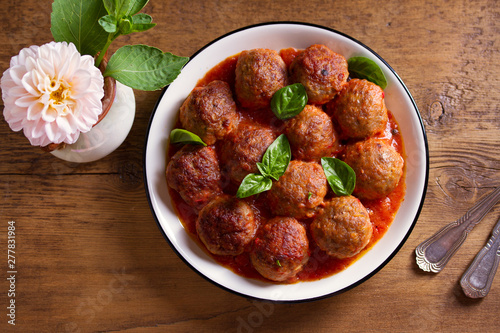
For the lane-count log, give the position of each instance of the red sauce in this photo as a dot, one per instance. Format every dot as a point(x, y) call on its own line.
point(320, 265)
point(288, 55)
point(223, 71)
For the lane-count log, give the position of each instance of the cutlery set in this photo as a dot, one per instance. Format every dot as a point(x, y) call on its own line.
point(435, 252)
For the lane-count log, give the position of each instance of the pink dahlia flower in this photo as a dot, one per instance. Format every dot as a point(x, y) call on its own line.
point(52, 93)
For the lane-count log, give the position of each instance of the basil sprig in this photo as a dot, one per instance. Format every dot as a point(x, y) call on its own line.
point(180, 135)
point(274, 164)
point(289, 101)
point(339, 175)
point(276, 158)
point(92, 25)
point(364, 68)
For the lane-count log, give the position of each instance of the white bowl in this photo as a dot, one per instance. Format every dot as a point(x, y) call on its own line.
point(280, 35)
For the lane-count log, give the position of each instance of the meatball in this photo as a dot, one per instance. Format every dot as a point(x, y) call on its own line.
point(299, 191)
point(359, 109)
point(210, 112)
point(281, 249)
point(243, 148)
point(322, 72)
point(194, 172)
point(226, 225)
point(311, 134)
point(342, 228)
point(378, 167)
point(259, 74)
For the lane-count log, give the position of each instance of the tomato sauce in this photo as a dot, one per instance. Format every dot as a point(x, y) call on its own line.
point(320, 265)
point(224, 71)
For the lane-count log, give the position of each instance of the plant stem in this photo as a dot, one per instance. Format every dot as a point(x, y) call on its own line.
point(98, 61)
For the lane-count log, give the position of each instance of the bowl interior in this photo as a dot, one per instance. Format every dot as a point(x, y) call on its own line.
point(279, 36)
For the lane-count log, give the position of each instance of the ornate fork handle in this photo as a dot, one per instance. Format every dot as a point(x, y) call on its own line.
point(433, 254)
point(477, 279)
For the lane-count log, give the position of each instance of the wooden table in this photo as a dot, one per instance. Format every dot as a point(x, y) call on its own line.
point(89, 256)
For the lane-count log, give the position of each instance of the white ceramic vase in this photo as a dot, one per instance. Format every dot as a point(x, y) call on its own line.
point(108, 134)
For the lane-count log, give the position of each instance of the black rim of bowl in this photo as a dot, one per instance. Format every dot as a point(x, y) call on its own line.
point(402, 242)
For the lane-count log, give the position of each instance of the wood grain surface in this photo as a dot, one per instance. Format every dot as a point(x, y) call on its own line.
point(90, 257)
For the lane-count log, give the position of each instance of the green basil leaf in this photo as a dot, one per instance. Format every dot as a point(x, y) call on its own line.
point(125, 25)
point(122, 8)
point(135, 6)
point(339, 175)
point(262, 169)
point(142, 18)
point(253, 184)
point(289, 101)
point(76, 21)
point(110, 6)
point(276, 158)
point(142, 27)
point(364, 68)
point(144, 67)
point(108, 23)
point(180, 135)
point(142, 22)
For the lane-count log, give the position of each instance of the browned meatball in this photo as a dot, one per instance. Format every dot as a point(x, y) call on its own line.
point(194, 172)
point(359, 109)
point(226, 225)
point(299, 191)
point(210, 112)
point(259, 74)
point(243, 148)
point(342, 228)
point(322, 72)
point(378, 167)
point(311, 134)
point(280, 249)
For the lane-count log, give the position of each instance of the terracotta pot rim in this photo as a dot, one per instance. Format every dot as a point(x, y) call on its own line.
point(109, 92)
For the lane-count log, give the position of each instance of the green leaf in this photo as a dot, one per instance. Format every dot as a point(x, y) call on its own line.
point(253, 184)
point(180, 135)
point(142, 18)
point(108, 23)
point(125, 25)
point(276, 158)
point(122, 8)
point(129, 7)
point(340, 175)
point(289, 101)
point(142, 22)
point(76, 21)
point(364, 68)
point(274, 164)
point(110, 6)
point(144, 67)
